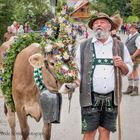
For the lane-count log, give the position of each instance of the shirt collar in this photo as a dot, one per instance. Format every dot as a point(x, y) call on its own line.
point(110, 39)
point(132, 35)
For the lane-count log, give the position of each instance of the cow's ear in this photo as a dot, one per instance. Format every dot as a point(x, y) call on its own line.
point(36, 60)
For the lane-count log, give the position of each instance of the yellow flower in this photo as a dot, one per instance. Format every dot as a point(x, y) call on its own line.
point(58, 57)
point(66, 56)
point(59, 44)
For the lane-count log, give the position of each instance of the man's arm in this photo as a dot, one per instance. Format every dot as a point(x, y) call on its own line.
point(118, 62)
point(125, 65)
point(137, 52)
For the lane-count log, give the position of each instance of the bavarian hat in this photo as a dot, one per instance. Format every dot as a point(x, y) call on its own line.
point(101, 16)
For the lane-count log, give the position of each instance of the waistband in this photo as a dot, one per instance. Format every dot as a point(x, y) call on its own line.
point(102, 95)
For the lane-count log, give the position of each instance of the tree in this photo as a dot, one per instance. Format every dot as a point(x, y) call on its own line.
point(112, 6)
point(106, 6)
point(6, 12)
point(136, 7)
point(132, 19)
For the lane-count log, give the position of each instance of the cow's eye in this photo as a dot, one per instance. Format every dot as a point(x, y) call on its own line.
point(51, 63)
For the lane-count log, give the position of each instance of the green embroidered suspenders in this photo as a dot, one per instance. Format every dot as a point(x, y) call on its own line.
point(98, 61)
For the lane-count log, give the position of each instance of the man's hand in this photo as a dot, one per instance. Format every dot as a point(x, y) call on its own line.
point(132, 57)
point(118, 62)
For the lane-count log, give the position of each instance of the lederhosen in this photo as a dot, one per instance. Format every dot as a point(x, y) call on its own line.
point(50, 102)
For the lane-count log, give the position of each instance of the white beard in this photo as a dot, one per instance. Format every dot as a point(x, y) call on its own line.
point(101, 34)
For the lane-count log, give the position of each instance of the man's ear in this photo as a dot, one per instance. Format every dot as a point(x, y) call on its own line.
point(110, 27)
point(36, 60)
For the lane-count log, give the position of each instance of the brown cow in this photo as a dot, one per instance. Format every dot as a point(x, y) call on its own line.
point(26, 94)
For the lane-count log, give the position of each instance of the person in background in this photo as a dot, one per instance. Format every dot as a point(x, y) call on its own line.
point(14, 27)
point(26, 27)
point(8, 34)
point(44, 29)
point(97, 62)
point(20, 29)
point(133, 45)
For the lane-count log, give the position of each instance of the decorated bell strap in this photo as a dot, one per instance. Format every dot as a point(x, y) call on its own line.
point(39, 79)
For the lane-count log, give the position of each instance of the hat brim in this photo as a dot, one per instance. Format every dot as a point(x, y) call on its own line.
point(133, 26)
point(90, 23)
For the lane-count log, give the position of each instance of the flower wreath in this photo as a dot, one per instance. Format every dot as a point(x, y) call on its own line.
point(61, 42)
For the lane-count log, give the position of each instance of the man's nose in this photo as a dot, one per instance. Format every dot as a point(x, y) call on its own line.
point(99, 23)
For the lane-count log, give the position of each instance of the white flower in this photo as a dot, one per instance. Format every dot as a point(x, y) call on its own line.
point(61, 19)
point(48, 48)
point(63, 12)
point(49, 32)
point(68, 29)
point(66, 56)
point(70, 47)
point(65, 67)
point(70, 74)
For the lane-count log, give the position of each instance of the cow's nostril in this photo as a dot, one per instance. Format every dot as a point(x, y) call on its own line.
point(67, 86)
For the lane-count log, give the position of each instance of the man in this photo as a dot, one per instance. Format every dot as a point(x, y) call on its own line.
point(14, 27)
point(97, 78)
point(8, 34)
point(133, 45)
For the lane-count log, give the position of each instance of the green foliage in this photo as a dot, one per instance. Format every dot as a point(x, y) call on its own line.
point(71, 9)
point(36, 12)
point(127, 9)
point(106, 6)
point(132, 19)
point(20, 13)
point(110, 7)
point(6, 12)
point(60, 6)
point(136, 7)
point(22, 42)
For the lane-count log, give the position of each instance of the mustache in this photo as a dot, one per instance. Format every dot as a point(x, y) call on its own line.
point(99, 28)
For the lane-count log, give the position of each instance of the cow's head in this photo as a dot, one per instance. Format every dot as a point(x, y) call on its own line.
point(61, 69)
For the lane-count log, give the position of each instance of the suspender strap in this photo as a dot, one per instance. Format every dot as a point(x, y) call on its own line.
point(98, 61)
point(103, 61)
point(93, 66)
